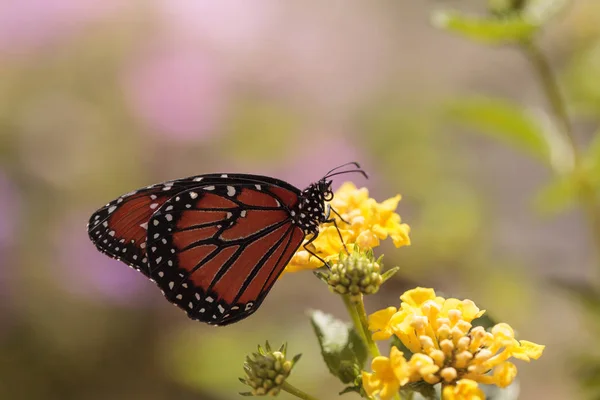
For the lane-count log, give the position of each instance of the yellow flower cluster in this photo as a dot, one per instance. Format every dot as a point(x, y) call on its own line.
point(368, 222)
point(445, 347)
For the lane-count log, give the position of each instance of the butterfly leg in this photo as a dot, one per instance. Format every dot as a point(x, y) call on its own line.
point(339, 216)
point(332, 220)
point(312, 253)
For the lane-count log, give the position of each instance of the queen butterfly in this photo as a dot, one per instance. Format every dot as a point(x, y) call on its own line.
point(214, 244)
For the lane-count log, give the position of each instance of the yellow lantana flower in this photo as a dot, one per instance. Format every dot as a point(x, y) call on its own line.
point(465, 389)
point(447, 348)
point(383, 381)
point(367, 223)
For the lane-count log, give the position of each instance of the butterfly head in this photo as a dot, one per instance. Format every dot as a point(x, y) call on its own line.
point(324, 187)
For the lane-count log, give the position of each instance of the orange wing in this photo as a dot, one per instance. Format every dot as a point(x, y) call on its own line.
point(217, 250)
point(119, 228)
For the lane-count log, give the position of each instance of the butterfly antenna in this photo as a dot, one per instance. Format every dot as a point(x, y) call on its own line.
point(360, 171)
point(354, 163)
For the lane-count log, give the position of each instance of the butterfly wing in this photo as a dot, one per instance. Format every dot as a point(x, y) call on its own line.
point(216, 250)
point(119, 228)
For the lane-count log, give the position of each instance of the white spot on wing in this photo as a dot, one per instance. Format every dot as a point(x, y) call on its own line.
point(193, 195)
point(230, 191)
point(144, 225)
point(209, 188)
point(111, 209)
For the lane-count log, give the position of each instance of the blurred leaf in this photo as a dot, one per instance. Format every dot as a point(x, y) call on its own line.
point(588, 370)
point(506, 7)
point(591, 160)
point(485, 321)
point(541, 11)
point(510, 29)
point(350, 389)
point(420, 390)
point(584, 292)
point(502, 120)
point(395, 342)
point(342, 348)
point(557, 196)
point(496, 393)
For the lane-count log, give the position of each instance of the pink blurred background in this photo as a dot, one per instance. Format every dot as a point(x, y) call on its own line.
point(99, 98)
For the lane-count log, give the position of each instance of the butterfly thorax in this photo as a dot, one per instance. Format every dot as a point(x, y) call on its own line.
point(311, 210)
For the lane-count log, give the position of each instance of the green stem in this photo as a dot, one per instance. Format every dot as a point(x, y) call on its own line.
point(287, 387)
point(355, 309)
point(587, 194)
point(550, 86)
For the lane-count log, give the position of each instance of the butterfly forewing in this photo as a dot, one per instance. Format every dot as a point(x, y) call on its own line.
point(216, 250)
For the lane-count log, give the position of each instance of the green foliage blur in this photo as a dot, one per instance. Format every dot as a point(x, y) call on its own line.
point(96, 101)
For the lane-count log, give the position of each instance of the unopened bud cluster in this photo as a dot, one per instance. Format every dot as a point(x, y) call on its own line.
point(355, 274)
point(267, 370)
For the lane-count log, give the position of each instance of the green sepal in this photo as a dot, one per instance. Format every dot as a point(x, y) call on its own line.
point(388, 274)
point(350, 389)
point(322, 275)
point(341, 346)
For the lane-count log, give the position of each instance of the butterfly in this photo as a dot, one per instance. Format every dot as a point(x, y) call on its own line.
point(214, 244)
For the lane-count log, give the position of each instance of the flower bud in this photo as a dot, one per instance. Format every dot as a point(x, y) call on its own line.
point(267, 370)
point(355, 274)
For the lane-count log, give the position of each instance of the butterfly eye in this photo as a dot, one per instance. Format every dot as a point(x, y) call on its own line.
point(328, 196)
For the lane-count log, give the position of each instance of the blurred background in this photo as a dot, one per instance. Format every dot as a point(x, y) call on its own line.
point(99, 98)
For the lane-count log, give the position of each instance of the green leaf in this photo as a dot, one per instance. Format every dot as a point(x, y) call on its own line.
point(502, 120)
point(341, 346)
point(510, 29)
point(422, 389)
point(395, 342)
point(557, 196)
point(485, 321)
